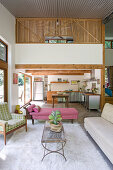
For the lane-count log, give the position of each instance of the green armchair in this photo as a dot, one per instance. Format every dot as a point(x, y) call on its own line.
point(10, 122)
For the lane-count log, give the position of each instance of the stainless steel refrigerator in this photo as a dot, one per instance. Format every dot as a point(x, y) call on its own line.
point(38, 90)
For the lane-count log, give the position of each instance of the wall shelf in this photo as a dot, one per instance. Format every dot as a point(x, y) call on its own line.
point(58, 82)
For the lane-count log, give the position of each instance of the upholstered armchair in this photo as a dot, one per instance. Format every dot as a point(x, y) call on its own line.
point(10, 122)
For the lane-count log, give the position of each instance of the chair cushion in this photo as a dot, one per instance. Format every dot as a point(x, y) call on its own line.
point(14, 123)
point(107, 112)
point(4, 112)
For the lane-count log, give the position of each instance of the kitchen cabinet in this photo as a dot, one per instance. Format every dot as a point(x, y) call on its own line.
point(78, 97)
point(72, 97)
point(81, 97)
point(75, 97)
point(92, 101)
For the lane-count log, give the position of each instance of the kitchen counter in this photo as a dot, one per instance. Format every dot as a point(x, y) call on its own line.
point(74, 96)
point(91, 94)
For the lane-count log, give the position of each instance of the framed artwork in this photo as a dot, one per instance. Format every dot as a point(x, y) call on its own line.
point(73, 82)
point(15, 78)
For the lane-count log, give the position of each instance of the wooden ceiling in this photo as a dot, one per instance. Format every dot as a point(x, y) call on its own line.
point(59, 8)
point(58, 72)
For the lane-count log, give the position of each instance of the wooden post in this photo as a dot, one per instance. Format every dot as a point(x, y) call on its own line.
point(103, 70)
point(4, 127)
point(72, 121)
point(53, 101)
point(26, 122)
point(32, 121)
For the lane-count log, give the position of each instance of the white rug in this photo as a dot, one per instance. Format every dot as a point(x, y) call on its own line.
point(24, 151)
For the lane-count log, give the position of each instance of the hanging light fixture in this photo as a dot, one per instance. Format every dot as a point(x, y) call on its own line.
point(57, 22)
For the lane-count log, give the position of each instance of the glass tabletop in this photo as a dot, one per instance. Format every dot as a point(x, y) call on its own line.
point(52, 137)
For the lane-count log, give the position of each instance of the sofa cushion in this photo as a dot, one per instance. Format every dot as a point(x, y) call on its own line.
point(4, 112)
point(30, 108)
point(101, 131)
point(107, 112)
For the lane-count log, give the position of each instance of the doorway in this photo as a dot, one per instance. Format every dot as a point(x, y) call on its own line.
point(24, 88)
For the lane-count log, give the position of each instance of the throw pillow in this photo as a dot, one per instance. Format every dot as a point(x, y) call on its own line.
point(37, 109)
point(30, 108)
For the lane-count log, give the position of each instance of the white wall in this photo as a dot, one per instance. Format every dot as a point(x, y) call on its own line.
point(66, 86)
point(59, 53)
point(97, 76)
point(108, 57)
point(7, 34)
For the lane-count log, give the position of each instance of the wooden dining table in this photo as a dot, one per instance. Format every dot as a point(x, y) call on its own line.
point(66, 96)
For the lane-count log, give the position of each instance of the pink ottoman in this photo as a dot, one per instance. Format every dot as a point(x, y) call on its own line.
point(67, 113)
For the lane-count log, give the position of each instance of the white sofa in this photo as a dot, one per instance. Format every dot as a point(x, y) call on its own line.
point(101, 130)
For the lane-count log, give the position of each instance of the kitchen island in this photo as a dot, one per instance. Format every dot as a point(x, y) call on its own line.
point(65, 96)
point(89, 100)
point(74, 96)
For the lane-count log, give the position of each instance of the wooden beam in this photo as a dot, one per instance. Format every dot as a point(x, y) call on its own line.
point(58, 66)
point(58, 72)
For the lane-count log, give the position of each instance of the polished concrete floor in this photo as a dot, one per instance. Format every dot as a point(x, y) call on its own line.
point(83, 112)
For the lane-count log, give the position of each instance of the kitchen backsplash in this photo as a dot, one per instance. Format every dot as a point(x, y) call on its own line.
point(63, 87)
point(69, 86)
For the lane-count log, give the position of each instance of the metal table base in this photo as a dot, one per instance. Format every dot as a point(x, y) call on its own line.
point(53, 151)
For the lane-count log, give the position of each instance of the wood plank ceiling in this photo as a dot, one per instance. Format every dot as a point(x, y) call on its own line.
point(59, 8)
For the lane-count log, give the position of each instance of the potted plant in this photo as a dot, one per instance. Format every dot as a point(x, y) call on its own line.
point(88, 90)
point(55, 121)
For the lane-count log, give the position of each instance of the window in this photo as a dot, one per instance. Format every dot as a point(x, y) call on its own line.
point(109, 44)
point(28, 88)
point(58, 40)
point(3, 71)
point(106, 77)
point(3, 51)
point(1, 85)
point(112, 44)
point(20, 89)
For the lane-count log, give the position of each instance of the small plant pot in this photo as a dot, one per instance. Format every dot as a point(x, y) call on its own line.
point(56, 128)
